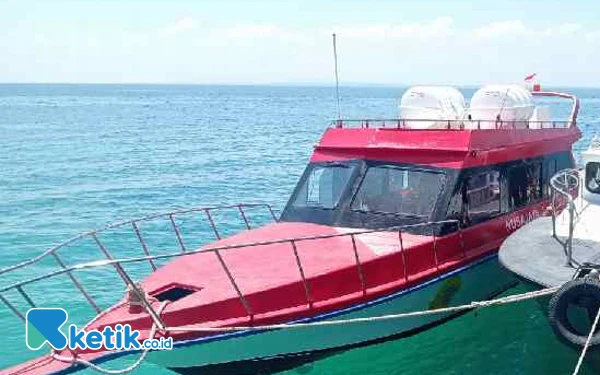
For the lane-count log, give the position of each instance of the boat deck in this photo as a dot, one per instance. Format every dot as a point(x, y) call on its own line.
point(534, 255)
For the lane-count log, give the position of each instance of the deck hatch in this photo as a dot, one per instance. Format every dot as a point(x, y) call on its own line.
point(174, 293)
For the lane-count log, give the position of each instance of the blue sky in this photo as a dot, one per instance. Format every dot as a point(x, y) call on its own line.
point(387, 42)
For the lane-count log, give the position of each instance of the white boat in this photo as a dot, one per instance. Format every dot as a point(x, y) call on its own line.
point(563, 250)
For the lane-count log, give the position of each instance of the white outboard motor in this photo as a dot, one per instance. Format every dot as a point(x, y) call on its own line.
point(500, 106)
point(430, 107)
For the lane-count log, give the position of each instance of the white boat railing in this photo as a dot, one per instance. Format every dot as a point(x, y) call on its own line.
point(456, 125)
point(565, 184)
point(118, 263)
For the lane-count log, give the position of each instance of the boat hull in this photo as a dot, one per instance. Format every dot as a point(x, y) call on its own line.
point(476, 281)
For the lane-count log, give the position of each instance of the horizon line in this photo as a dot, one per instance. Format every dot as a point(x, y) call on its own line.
point(284, 84)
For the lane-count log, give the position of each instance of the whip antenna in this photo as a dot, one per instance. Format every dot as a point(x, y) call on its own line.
point(337, 80)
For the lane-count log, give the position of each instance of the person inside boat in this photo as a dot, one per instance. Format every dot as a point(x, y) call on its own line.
point(397, 191)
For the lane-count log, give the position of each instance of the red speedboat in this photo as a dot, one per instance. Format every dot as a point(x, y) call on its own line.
point(389, 216)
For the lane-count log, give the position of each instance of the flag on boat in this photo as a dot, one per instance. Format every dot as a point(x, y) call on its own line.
point(530, 77)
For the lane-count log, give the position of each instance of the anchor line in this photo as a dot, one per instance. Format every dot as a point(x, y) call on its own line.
point(587, 344)
point(74, 360)
point(470, 306)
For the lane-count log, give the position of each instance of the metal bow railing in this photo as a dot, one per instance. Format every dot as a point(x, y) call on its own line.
point(109, 259)
point(118, 263)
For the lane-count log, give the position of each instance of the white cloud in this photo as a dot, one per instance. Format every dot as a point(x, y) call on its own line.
point(252, 31)
point(495, 29)
point(593, 35)
point(442, 26)
point(519, 28)
point(406, 52)
point(569, 28)
point(179, 26)
point(134, 39)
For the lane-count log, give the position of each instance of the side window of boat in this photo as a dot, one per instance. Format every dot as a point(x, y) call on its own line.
point(393, 190)
point(457, 205)
point(550, 169)
point(563, 161)
point(483, 195)
point(323, 186)
point(525, 184)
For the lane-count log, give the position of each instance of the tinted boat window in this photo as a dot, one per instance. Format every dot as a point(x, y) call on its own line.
point(394, 190)
point(525, 184)
point(456, 207)
point(483, 192)
point(592, 177)
point(323, 186)
point(551, 167)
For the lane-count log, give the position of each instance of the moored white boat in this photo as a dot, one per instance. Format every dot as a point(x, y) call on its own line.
point(563, 250)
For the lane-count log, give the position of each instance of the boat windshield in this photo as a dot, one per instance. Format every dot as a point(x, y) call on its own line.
point(365, 194)
point(323, 186)
point(395, 190)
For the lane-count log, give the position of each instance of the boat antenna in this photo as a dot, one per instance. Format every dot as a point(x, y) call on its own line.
point(337, 80)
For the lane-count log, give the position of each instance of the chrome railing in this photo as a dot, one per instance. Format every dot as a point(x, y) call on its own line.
point(118, 263)
point(565, 184)
point(131, 226)
point(466, 123)
point(408, 124)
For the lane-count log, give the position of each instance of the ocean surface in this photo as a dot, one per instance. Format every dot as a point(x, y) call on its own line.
point(76, 157)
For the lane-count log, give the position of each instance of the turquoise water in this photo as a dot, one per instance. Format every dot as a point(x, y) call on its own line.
point(75, 157)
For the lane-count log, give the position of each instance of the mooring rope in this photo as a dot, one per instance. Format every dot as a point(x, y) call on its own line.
point(470, 306)
point(78, 361)
point(587, 343)
point(473, 305)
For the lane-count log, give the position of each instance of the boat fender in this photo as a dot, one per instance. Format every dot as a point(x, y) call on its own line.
point(584, 292)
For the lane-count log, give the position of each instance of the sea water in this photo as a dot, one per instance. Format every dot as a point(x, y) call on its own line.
point(75, 157)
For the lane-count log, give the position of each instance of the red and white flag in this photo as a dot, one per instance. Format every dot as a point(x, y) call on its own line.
point(530, 77)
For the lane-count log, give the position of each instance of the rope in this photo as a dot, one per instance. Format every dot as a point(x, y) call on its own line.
point(587, 343)
point(470, 306)
point(74, 360)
